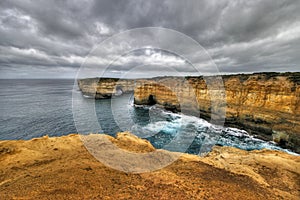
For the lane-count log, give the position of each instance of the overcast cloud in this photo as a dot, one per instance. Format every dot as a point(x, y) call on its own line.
point(51, 39)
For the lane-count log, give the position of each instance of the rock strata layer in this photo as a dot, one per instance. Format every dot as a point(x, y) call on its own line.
point(264, 104)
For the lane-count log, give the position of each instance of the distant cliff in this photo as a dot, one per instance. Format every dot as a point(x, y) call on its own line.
point(105, 87)
point(264, 104)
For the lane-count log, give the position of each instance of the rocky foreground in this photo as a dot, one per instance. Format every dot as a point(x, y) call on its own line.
point(62, 168)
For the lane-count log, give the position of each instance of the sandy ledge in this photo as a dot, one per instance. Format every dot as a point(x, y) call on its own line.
point(62, 168)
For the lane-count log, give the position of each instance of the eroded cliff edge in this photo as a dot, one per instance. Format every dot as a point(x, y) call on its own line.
point(62, 168)
point(264, 104)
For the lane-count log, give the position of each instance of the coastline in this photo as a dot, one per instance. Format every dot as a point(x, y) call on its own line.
point(266, 105)
point(61, 167)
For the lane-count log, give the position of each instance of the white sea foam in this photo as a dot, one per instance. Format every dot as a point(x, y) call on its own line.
point(182, 127)
point(88, 97)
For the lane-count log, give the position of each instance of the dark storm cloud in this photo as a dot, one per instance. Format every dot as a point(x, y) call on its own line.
point(56, 36)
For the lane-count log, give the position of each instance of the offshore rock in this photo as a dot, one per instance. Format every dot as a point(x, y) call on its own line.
point(102, 88)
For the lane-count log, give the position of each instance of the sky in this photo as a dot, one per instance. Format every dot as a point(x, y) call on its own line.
point(66, 39)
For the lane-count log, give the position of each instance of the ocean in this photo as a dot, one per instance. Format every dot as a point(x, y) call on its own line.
point(34, 108)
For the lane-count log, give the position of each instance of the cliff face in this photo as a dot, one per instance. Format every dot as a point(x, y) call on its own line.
point(105, 87)
point(264, 104)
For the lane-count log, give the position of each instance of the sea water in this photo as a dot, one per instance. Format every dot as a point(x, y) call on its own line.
point(34, 108)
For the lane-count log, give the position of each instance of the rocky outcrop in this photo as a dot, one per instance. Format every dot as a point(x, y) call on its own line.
point(62, 168)
point(264, 104)
point(105, 87)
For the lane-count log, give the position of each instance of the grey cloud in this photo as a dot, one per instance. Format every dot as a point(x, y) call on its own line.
point(241, 36)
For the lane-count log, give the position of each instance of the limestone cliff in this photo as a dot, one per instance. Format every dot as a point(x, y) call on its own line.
point(264, 104)
point(105, 87)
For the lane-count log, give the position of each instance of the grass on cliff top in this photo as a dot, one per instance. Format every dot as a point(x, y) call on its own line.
point(292, 76)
